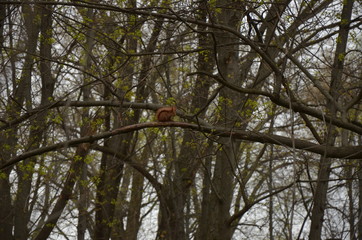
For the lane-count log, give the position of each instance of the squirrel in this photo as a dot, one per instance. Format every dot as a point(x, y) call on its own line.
point(165, 114)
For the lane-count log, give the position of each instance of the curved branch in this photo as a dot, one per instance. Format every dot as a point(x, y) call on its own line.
point(104, 103)
point(352, 152)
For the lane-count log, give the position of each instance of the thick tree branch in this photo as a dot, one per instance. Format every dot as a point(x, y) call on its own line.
point(353, 152)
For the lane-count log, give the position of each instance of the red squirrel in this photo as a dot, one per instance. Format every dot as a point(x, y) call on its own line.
point(165, 114)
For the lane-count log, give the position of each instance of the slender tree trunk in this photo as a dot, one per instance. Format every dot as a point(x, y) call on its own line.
point(351, 214)
point(6, 213)
point(359, 223)
point(135, 205)
point(320, 196)
point(319, 199)
point(82, 203)
point(21, 93)
point(87, 128)
point(270, 188)
point(2, 22)
point(202, 230)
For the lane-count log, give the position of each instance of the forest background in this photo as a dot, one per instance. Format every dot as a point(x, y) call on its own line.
point(266, 144)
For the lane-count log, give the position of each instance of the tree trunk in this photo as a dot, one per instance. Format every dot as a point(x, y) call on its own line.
point(26, 169)
point(319, 199)
point(6, 209)
point(223, 179)
point(359, 223)
point(172, 222)
point(320, 196)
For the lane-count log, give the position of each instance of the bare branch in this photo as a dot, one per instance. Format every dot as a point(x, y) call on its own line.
point(354, 152)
